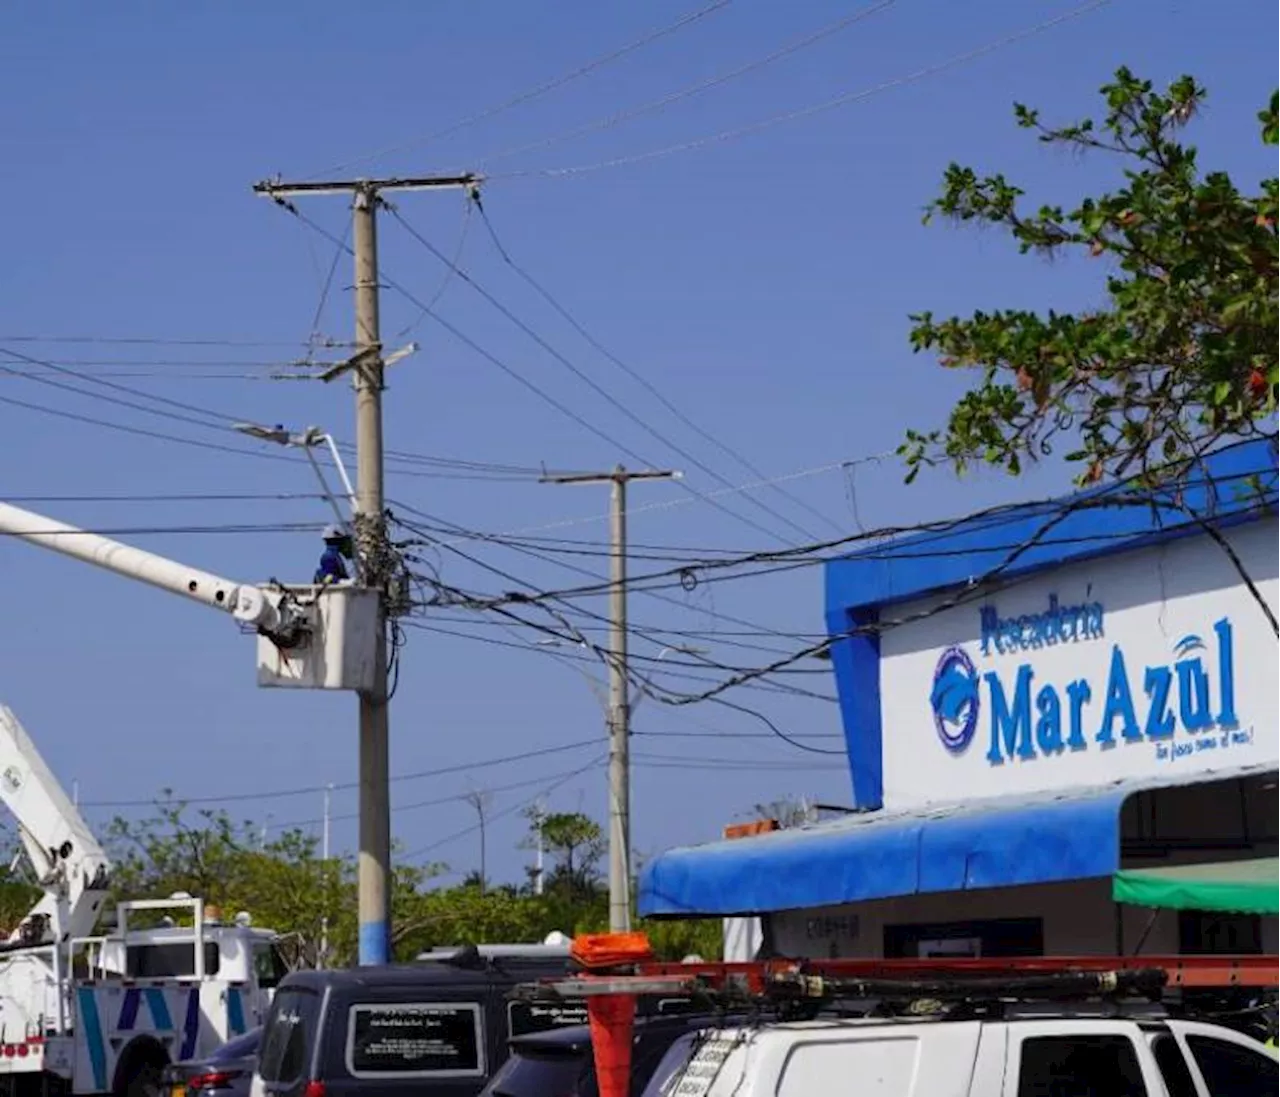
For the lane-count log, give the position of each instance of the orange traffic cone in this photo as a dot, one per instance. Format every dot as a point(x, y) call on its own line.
point(612, 1020)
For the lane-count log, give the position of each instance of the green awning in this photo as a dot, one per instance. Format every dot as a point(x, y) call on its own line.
point(1240, 887)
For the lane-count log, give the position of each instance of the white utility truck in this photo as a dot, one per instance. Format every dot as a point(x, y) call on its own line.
point(1056, 1052)
point(1093, 1026)
point(82, 1013)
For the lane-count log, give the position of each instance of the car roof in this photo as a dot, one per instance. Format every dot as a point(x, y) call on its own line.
point(430, 973)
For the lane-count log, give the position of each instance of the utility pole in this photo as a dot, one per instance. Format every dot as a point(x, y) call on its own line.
point(619, 719)
point(375, 562)
point(539, 814)
point(328, 892)
point(480, 801)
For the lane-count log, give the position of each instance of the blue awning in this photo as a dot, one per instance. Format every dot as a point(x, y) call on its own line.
point(878, 855)
point(1069, 835)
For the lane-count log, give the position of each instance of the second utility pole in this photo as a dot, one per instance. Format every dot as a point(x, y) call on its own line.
point(619, 687)
point(374, 558)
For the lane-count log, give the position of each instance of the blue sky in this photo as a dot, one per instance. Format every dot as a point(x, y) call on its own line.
point(761, 283)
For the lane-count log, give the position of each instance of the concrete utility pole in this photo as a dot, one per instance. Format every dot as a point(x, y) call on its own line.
point(619, 718)
point(480, 801)
point(375, 563)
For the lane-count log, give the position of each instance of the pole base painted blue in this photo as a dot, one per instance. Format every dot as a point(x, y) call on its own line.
point(375, 938)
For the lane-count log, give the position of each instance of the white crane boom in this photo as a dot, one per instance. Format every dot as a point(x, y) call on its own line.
point(246, 603)
point(69, 863)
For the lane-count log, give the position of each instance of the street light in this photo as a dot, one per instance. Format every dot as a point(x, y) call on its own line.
point(306, 441)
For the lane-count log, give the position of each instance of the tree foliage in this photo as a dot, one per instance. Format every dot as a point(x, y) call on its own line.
point(284, 884)
point(1182, 355)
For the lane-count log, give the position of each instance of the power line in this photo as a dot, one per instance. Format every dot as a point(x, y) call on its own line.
point(804, 112)
point(156, 341)
point(519, 378)
point(656, 595)
point(696, 497)
point(640, 379)
point(177, 497)
point(417, 805)
point(582, 571)
point(620, 117)
point(309, 790)
point(537, 92)
point(545, 791)
point(602, 392)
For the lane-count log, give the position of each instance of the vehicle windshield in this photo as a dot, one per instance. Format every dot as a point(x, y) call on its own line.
point(268, 965)
point(672, 1063)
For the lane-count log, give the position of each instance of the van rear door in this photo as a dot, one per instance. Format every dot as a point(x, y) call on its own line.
point(286, 1059)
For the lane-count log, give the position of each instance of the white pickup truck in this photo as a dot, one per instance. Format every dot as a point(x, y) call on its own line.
point(1050, 1055)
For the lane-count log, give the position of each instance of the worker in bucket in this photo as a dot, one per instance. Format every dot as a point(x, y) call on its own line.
point(337, 549)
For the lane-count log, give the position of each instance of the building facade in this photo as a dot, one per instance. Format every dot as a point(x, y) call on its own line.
point(1037, 703)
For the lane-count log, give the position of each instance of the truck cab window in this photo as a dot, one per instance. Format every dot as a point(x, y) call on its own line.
point(1080, 1066)
point(170, 960)
point(268, 966)
point(1230, 1070)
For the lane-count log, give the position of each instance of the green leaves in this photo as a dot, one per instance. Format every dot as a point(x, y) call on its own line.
point(1184, 351)
point(1267, 117)
point(285, 885)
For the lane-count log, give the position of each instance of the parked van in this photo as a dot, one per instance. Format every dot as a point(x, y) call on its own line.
point(439, 1025)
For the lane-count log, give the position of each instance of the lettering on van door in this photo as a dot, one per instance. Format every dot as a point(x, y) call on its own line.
point(397, 1040)
point(526, 1017)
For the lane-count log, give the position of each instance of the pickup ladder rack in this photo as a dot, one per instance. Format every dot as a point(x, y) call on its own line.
point(619, 968)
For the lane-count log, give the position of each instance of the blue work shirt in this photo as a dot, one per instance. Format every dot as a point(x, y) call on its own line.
point(331, 569)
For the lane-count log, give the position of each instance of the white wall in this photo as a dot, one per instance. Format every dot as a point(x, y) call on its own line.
point(1151, 601)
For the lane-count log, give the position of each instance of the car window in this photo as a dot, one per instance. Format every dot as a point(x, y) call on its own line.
point(415, 1040)
point(1080, 1066)
point(239, 1047)
point(1230, 1070)
point(1173, 1066)
point(539, 1076)
point(286, 1039)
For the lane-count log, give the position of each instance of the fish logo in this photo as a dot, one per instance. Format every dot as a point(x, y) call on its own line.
point(954, 699)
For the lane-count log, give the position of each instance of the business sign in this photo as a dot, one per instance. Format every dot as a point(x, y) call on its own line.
point(1117, 668)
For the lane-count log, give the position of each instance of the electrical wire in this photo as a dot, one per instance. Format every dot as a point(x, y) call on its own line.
point(639, 378)
point(601, 391)
point(613, 120)
point(439, 801)
point(818, 108)
point(536, 92)
point(546, 791)
point(656, 595)
point(155, 341)
point(308, 790)
point(515, 374)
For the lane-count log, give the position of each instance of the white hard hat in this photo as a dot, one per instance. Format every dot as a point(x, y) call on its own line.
point(333, 533)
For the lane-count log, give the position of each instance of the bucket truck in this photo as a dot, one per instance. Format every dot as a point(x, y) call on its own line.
point(85, 1014)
